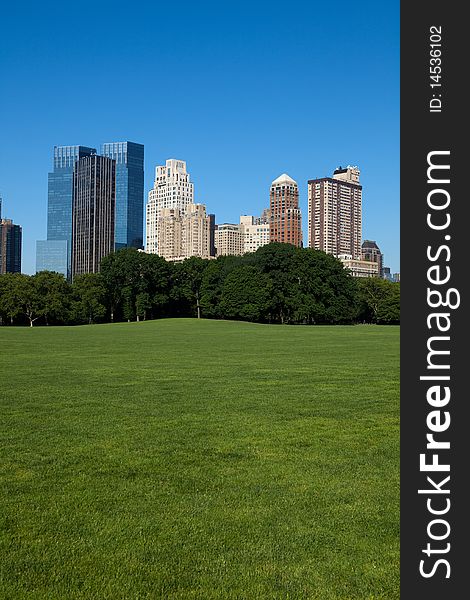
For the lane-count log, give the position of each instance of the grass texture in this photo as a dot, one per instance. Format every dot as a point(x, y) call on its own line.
point(184, 459)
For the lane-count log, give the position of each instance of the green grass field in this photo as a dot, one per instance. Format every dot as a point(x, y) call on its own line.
point(183, 459)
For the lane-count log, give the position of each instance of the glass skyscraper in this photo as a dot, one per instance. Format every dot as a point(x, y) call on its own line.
point(129, 215)
point(54, 256)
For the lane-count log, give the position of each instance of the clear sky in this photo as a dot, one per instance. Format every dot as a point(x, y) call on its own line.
point(243, 91)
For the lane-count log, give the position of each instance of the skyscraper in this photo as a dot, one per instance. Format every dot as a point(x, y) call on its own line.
point(56, 256)
point(371, 253)
point(93, 215)
point(285, 220)
point(10, 245)
point(172, 189)
point(129, 158)
point(335, 213)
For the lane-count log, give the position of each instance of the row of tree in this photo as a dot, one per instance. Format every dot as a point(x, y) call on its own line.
point(277, 284)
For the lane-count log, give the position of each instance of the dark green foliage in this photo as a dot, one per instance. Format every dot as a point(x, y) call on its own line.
point(137, 283)
point(379, 301)
point(246, 294)
point(55, 295)
point(89, 296)
point(279, 283)
point(187, 284)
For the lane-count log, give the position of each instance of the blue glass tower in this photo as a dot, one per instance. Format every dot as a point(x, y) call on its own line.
point(129, 215)
point(56, 256)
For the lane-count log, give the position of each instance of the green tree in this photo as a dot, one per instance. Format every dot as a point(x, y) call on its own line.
point(379, 300)
point(245, 294)
point(128, 274)
point(54, 294)
point(89, 296)
point(29, 297)
point(10, 300)
point(389, 309)
point(187, 284)
point(142, 305)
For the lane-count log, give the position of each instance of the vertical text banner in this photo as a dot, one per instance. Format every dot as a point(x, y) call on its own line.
point(435, 268)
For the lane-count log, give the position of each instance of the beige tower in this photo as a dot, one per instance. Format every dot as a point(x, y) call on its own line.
point(335, 213)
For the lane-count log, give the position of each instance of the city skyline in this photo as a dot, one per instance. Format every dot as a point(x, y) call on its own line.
point(219, 108)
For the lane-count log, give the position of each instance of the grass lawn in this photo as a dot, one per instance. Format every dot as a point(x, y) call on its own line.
point(184, 459)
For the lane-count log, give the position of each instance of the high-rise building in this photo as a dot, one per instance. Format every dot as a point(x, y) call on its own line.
point(255, 232)
point(10, 245)
point(335, 213)
point(229, 240)
point(198, 232)
point(172, 189)
point(285, 216)
point(54, 254)
point(93, 215)
point(371, 252)
point(129, 158)
point(185, 234)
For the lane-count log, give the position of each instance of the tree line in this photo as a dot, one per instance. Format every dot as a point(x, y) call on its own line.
point(278, 283)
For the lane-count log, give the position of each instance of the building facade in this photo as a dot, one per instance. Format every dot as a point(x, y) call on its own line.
point(52, 255)
point(172, 190)
point(229, 240)
point(10, 246)
point(185, 234)
point(285, 217)
point(371, 253)
point(255, 232)
point(335, 213)
point(57, 256)
point(359, 268)
point(129, 216)
point(93, 214)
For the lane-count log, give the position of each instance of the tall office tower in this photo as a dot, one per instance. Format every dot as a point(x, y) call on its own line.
point(10, 246)
point(335, 213)
point(285, 216)
point(93, 214)
point(54, 254)
point(229, 240)
point(182, 235)
point(172, 189)
point(255, 232)
point(129, 158)
point(371, 252)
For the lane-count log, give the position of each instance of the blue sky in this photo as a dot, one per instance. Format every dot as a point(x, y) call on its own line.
point(243, 91)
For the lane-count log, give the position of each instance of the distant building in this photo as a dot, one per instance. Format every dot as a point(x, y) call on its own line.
point(57, 256)
point(386, 274)
point(185, 234)
point(229, 240)
point(52, 255)
point(371, 252)
point(255, 232)
point(396, 277)
point(172, 190)
point(335, 213)
point(359, 268)
point(129, 158)
point(285, 216)
point(93, 216)
point(10, 245)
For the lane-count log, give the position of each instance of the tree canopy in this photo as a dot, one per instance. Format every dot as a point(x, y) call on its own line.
point(279, 283)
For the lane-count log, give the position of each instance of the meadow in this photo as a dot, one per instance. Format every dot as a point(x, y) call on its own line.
point(183, 459)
